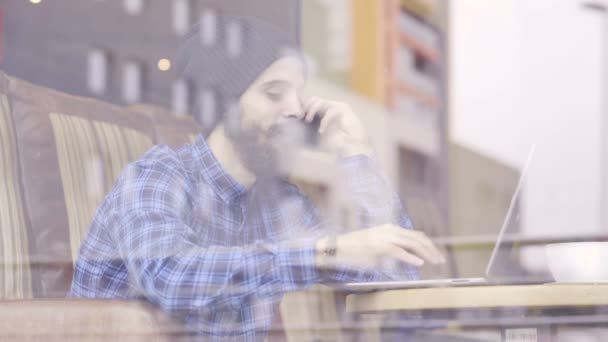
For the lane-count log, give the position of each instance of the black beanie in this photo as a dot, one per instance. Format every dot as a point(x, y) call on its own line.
point(213, 67)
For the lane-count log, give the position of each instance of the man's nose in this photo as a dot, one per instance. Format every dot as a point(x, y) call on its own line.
point(293, 109)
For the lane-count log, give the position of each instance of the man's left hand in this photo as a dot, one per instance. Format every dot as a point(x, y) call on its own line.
point(342, 132)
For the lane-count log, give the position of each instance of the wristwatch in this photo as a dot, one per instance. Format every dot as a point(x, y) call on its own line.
point(326, 251)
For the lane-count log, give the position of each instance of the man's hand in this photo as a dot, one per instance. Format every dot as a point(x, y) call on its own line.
point(341, 131)
point(377, 247)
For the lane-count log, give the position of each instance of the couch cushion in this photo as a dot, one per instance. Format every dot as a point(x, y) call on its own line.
point(71, 151)
point(15, 279)
point(170, 130)
point(91, 154)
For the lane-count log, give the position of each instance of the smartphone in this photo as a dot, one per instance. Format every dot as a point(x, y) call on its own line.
point(313, 136)
point(300, 131)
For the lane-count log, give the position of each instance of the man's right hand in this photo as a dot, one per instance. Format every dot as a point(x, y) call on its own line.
point(376, 248)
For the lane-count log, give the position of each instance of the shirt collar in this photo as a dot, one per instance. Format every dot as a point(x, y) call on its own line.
point(213, 172)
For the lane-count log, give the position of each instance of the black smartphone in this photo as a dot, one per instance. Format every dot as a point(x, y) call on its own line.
point(300, 131)
point(313, 136)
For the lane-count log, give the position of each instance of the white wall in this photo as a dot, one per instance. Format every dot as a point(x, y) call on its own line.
point(529, 71)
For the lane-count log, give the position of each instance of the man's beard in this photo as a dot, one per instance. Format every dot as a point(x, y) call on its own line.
point(268, 153)
point(258, 152)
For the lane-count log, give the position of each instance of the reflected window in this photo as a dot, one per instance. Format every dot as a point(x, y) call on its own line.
point(132, 82)
point(180, 99)
point(181, 16)
point(134, 7)
point(209, 23)
point(340, 35)
point(234, 39)
point(406, 63)
point(419, 174)
point(208, 107)
point(97, 71)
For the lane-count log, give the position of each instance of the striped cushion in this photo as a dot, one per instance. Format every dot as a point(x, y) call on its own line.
point(71, 150)
point(91, 154)
point(15, 278)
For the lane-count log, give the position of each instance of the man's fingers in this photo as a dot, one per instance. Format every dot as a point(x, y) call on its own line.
point(426, 241)
point(413, 245)
point(329, 117)
point(403, 256)
point(306, 108)
point(422, 239)
point(313, 108)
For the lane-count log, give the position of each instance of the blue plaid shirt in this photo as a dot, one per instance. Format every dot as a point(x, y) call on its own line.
point(179, 232)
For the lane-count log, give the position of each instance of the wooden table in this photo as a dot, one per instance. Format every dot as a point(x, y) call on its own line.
point(544, 311)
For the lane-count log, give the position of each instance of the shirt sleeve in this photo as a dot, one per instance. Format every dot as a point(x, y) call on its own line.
point(375, 203)
point(371, 195)
point(149, 225)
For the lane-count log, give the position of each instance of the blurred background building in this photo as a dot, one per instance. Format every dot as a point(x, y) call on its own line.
point(392, 55)
point(123, 51)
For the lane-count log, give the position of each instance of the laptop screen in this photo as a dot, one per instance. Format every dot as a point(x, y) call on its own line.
point(504, 264)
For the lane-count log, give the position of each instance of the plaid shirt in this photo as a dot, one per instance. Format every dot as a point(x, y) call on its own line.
point(179, 232)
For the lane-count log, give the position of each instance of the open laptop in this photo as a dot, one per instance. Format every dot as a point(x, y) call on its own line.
point(404, 284)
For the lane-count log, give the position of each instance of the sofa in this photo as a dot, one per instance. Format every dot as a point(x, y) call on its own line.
point(59, 156)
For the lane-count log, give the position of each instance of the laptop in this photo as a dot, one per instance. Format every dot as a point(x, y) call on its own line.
point(487, 279)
